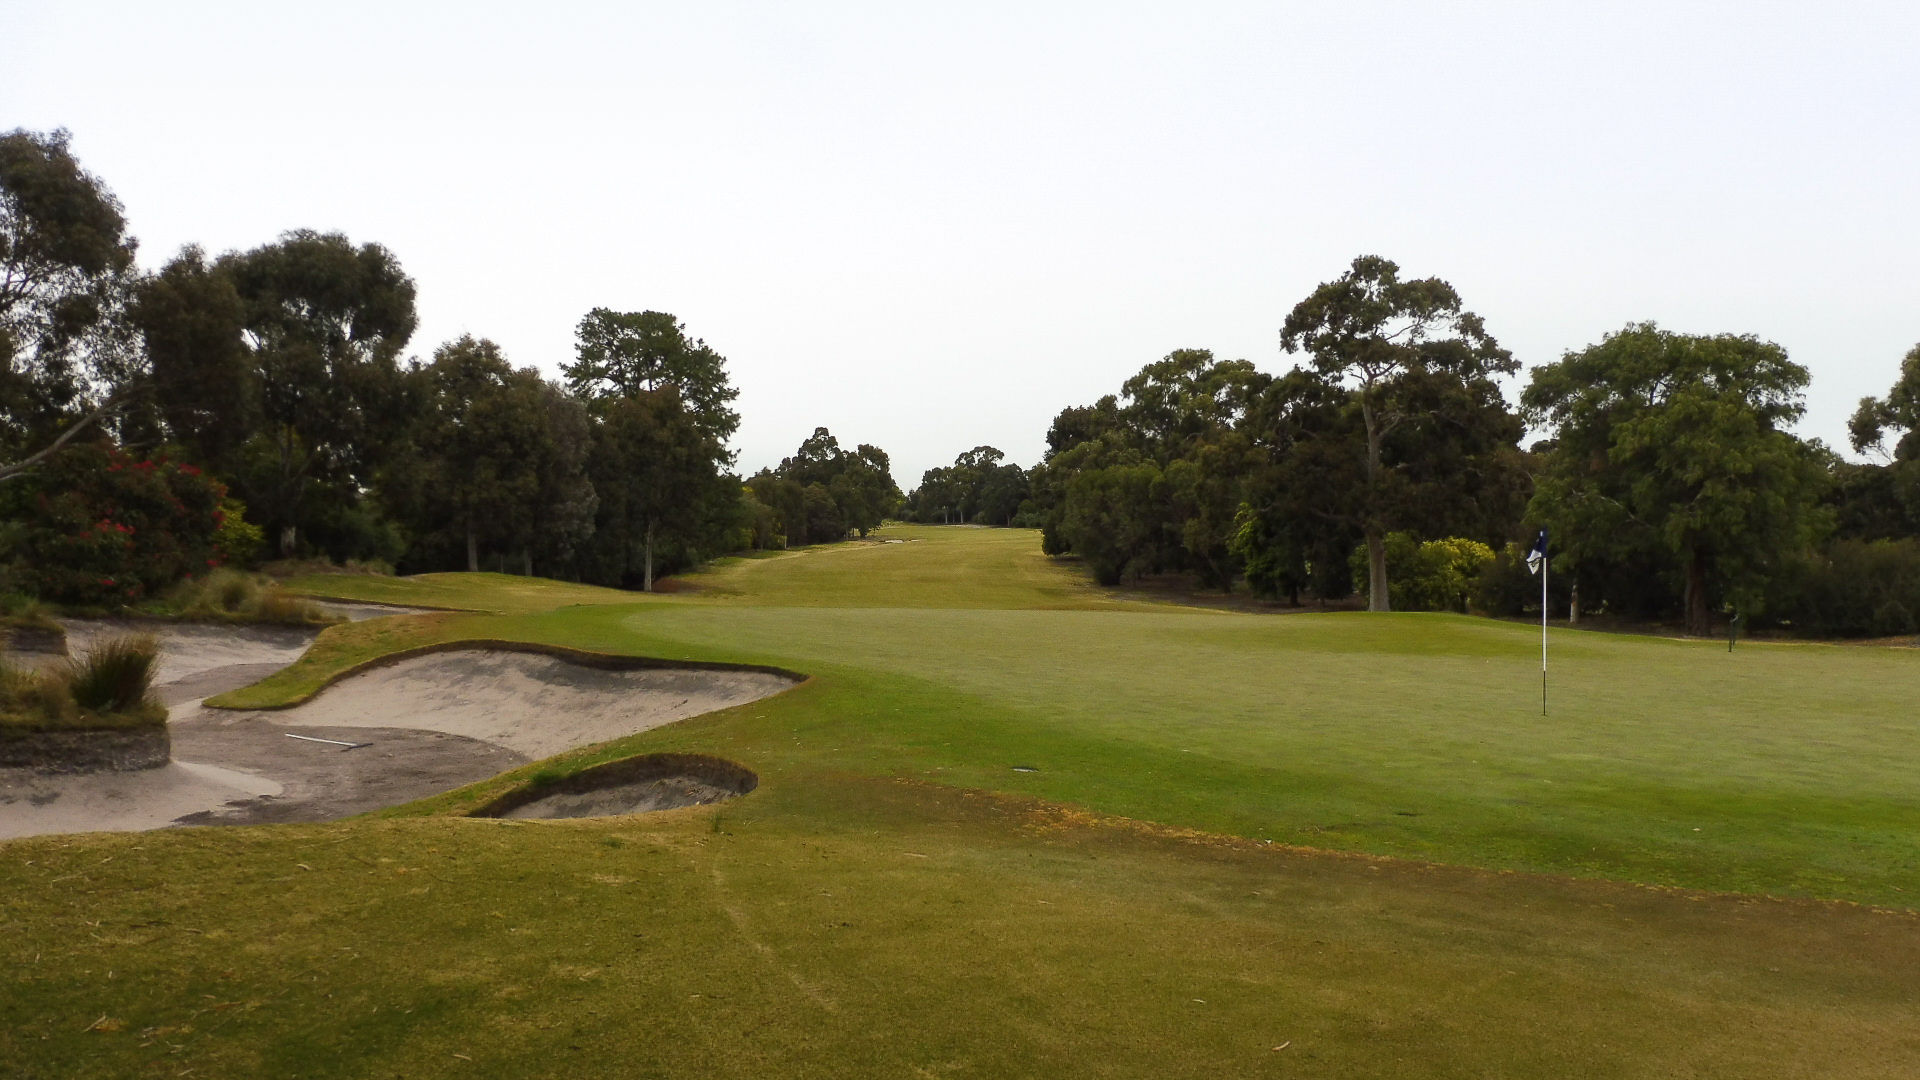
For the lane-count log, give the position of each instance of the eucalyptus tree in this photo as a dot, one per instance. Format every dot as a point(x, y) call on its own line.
point(858, 483)
point(1151, 480)
point(1880, 499)
point(475, 448)
point(1670, 451)
point(68, 358)
point(628, 353)
point(661, 403)
point(1405, 352)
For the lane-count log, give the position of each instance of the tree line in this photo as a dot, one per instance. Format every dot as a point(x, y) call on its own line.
point(1388, 462)
point(154, 424)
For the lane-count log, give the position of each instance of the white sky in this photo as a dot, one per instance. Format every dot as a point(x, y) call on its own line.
point(930, 227)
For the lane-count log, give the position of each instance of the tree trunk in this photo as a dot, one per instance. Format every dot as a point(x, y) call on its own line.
point(526, 561)
point(289, 535)
point(1699, 619)
point(1377, 572)
point(473, 550)
point(1573, 608)
point(649, 569)
point(1377, 598)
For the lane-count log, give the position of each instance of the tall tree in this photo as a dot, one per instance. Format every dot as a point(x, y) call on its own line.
point(662, 405)
point(206, 389)
point(627, 353)
point(1391, 344)
point(1295, 528)
point(323, 323)
point(477, 445)
point(857, 485)
point(1002, 491)
point(658, 477)
point(66, 272)
point(1898, 411)
point(564, 502)
point(1670, 450)
point(1151, 480)
point(1882, 501)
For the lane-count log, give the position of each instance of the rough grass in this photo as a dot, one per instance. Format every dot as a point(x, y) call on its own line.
point(896, 900)
point(108, 687)
point(881, 929)
point(228, 595)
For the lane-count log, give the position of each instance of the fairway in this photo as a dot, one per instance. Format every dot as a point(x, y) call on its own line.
point(1013, 826)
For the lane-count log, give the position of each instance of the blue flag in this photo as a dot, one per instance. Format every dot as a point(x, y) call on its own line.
point(1539, 553)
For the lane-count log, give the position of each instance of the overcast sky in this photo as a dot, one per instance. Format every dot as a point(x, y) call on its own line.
point(934, 226)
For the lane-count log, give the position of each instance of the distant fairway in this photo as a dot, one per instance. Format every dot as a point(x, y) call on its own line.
point(898, 900)
point(1785, 768)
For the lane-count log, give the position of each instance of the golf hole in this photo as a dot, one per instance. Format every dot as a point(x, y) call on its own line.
point(630, 786)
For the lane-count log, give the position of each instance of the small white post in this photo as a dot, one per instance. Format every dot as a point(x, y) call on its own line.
point(1543, 631)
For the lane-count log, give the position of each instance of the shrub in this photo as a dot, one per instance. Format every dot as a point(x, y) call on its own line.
point(1439, 575)
point(238, 540)
point(100, 527)
point(1853, 589)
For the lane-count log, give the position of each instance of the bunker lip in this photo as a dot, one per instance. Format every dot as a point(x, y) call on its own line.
point(631, 785)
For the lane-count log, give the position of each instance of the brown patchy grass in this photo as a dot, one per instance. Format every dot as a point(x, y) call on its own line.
point(870, 928)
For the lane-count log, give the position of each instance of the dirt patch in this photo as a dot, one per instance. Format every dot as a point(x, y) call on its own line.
point(629, 786)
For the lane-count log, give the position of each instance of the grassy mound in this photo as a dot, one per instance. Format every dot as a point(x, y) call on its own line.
point(110, 687)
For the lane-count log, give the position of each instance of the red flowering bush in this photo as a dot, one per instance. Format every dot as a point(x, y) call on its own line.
point(102, 527)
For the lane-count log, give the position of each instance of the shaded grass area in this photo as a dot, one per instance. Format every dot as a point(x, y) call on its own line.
point(886, 928)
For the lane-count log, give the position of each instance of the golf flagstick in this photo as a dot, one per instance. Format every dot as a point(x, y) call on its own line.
point(1537, 563)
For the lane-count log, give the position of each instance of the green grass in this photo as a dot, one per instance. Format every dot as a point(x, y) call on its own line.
point(931, 567)
point(1417, 735)
point(897, 900)
point(499, 593)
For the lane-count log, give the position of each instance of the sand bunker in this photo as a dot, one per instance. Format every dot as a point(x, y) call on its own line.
point(34, 803)
point(531, 704)
point(431, 723)
point(188, 649)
